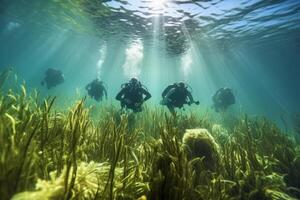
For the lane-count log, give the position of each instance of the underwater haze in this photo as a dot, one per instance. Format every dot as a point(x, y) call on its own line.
point(250, 46)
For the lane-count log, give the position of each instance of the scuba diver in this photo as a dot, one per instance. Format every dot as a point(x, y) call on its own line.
point(96, 90)
point(222, 99)
point(132, 95)
point(176, 95)
point(53, 78)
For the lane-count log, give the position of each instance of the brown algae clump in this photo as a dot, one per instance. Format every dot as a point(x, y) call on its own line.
point(200, 143)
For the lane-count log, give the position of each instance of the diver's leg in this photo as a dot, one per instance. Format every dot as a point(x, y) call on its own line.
point(123, 106)
point(132, 107)
point(217, 107)
point(171, 109)
point(137, 108)
point(131, 121)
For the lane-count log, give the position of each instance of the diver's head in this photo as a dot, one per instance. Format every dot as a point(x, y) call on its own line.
point(134, 82)
point(227, 90)
point(181, 85)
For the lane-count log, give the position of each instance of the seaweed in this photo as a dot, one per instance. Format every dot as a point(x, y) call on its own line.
point(4, 74)
point(50, 153)
point(296, 123)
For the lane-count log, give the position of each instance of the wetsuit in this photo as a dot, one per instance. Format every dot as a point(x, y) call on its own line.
point(133, 97)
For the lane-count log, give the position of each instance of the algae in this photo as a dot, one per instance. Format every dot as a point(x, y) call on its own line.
point(47, 153)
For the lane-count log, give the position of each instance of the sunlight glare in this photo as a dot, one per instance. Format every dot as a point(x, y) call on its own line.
point(158, 4)
point(134, 57)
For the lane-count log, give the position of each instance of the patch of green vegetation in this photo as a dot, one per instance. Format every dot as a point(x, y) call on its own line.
point(50, 154)
point(4, 74)
point(296, 123)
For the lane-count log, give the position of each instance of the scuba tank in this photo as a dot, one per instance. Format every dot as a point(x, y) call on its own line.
point(125, 85)
point(190, 89)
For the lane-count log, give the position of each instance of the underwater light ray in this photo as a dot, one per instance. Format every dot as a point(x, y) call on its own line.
point(155, 59)
point(187, 58)
point(101, 59)
point(259, 90)
point(43, 51)
point(203, 73)
point(158, 4)
point(134, 56)
point(186, 64)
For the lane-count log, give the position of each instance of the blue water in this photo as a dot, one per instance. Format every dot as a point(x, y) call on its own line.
point(250, 46)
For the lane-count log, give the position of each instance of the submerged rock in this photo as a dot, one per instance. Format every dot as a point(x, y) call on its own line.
point(200, 143)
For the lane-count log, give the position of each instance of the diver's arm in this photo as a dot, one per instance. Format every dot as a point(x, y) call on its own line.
point(120, 94)
point(170, 93)
point(220, 91)
point(215, 96)
point(191, 99)
point(147, 94)
point(190, 96)
point(88, 86)
point(105, 92)
point(165, 92)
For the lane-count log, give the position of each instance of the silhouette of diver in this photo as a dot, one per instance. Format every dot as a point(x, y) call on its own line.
point(96, 90)
point(176, 95)
point(53, 78)
point(132, 95)
point(222, 99)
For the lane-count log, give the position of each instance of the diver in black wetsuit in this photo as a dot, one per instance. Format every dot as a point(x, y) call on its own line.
point(96, 90)
point(176, 95)
point(53, 78)
point(133, 95)
point(222, 99)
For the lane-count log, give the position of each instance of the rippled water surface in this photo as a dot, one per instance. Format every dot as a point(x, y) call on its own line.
point(168, 19)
